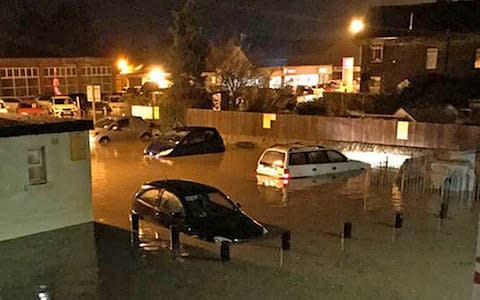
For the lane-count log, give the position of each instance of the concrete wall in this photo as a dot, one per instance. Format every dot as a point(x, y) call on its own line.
point(243, 126)
point(63, 201)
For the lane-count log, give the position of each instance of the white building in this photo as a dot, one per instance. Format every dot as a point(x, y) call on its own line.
point(45, 174)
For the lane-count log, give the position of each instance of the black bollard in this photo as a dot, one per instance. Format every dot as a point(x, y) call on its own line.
point(398, 220)
point(174, 239)
point(443, 210)
point(135, 225)
point(347, 230)
point(225, 251)
point(286, 236)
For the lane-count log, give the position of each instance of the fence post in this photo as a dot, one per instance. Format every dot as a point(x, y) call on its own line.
point(134, 226)
point(174, 238)
point(398, 220)
point(286, 236)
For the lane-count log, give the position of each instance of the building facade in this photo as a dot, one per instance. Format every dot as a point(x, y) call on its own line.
point(46, 177)
point(408, 41)
point(35, 76)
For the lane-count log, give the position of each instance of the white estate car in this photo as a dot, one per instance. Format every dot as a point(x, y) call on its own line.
point(298, 160)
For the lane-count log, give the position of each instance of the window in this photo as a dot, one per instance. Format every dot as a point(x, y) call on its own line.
point(19, 81)
point(298, 159)
point(336, 157)
point(101, 75)
point(431, 61)
point(37, 173)
point(318, 157)
point(273, 158)
point(375, 85)
point(376, 53)
point(150, 196)
point(477, 58)
point(123, 123)
point(66, 75)
point(195, 138)
point(170, 203)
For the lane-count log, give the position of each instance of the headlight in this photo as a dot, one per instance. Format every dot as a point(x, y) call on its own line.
point(165, 152)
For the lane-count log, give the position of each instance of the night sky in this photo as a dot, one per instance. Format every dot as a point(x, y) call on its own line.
point(140, 27)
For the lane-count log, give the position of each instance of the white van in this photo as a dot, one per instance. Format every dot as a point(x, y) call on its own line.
point(298, 160)
point(60, 106)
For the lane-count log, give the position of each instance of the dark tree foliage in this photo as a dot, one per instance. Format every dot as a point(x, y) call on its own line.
point(189, 48)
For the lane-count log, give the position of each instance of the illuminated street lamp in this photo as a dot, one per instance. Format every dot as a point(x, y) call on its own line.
point(159, 76)
point(356, 26)
point(122, 65)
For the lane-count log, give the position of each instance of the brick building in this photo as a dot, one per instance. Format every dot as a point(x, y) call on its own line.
point(406, 41)
point(34, 76)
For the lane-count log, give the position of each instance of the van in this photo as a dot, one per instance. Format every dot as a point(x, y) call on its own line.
point(299, 160)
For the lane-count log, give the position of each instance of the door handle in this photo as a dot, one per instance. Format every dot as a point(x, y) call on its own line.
point(334, 168)
point(314, 169)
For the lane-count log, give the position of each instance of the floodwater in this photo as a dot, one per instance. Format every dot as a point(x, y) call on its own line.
point(428, 258)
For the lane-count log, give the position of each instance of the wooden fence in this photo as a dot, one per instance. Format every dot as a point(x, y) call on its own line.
point(289, 127)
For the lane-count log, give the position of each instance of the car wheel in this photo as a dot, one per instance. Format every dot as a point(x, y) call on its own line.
point(104, 140)
point(146, 136)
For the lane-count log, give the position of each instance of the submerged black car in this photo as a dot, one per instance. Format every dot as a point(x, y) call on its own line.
point(186, 141)
point(196, 209)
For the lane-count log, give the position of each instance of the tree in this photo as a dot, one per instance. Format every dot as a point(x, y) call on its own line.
point(189, 48)
point(232, 67)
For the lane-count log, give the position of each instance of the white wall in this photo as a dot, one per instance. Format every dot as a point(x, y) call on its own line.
point(63, 201)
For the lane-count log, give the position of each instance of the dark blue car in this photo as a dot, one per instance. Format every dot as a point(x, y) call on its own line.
point(186, 141)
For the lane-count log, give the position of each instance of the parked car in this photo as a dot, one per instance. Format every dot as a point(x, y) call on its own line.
point(87, 106)
point(31, 108)
point(299, 160)
point(118, 105)
point(186, 141)
point(11, 103)
point(3, 107)
point(196, 209)
point(59, 106)
point(120, 128)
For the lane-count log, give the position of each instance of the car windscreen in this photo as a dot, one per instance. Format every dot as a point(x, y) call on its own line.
point(209, 204)
point(63, 101)
point(115, 99)
point(173, 136)
point(104, 123)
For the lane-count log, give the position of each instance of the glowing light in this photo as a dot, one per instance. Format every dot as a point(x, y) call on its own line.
point(356, 26)
point(159, 76)
point(123, 66)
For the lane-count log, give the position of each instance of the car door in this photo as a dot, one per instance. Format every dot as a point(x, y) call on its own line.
point(320, 163)
point(171, 210)
point(338, 162)
point(299, 166)
point(193, 143)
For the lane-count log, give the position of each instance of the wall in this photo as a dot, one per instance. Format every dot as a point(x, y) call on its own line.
point(243, 126)
point(64, 200)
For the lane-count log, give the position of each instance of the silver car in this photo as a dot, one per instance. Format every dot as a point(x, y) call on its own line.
point(121, 128)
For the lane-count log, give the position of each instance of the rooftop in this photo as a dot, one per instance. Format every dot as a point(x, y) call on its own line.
point(14, 125)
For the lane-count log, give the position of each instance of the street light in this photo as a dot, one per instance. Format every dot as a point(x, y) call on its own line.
point(356, 26)
point(122, 65)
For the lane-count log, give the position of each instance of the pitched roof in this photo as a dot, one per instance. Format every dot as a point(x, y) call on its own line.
point(424, 19)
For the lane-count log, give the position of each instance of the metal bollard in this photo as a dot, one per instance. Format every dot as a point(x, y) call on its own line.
point(286, 236)
point(347, 230)
point(135, 226)
point(398, 220)
point(443, 210)
point(174, 239)
point(225, 251)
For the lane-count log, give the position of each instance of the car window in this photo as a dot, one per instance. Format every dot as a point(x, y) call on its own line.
point(209, 135)
point(210, 204)
point(122, 123)
point(273, 158)
point(104, 123)
point(171, 204)
point(335, 156)
point(299, 158)
point(318, 157)
point(195, 138)
point(150, 196)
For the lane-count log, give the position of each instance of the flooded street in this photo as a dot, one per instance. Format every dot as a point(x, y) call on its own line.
point(428, 258)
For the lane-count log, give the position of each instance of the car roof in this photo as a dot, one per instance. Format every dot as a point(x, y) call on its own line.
point(296, 147)
point(193, 128)
point(180, 187)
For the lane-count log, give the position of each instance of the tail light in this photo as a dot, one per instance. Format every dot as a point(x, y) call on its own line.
point(286, 174)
